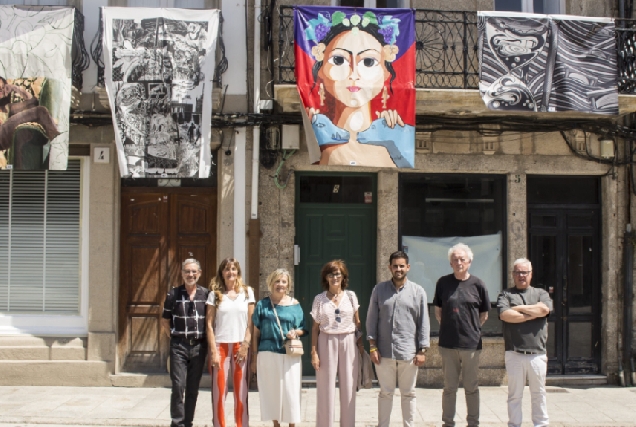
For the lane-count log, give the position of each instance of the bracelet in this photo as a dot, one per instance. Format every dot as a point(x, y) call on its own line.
point(371, 350)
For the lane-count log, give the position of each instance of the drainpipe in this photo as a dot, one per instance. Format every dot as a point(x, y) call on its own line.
point(255, 224)
point(621, 9)
point(628, 296)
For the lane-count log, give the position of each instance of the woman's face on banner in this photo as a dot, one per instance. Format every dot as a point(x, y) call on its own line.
point(353, 70)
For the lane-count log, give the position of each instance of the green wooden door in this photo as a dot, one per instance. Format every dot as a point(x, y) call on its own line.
point(334, 225)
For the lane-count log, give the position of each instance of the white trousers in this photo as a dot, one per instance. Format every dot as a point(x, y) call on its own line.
point(403, 375)
point(279, 377)
point(532, 367)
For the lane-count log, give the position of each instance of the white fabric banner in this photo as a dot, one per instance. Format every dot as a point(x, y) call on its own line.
point(428, 257)
point(159, 66)
point(35, 90)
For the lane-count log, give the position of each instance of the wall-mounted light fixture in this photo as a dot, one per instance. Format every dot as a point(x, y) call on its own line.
point(607, 147)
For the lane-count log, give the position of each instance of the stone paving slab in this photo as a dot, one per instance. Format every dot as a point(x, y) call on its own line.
point(604, 406)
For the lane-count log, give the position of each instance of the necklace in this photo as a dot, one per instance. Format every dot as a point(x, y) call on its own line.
point(333, 296)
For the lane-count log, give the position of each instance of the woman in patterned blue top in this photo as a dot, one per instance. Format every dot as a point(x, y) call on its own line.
point(280, 400)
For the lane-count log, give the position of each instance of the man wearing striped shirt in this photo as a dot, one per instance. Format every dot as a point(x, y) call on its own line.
point(398, 332)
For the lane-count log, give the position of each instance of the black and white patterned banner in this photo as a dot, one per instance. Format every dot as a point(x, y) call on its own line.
point(547, 63)
point(159, 66)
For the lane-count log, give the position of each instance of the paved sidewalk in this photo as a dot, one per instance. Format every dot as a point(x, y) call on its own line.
point(149, 407)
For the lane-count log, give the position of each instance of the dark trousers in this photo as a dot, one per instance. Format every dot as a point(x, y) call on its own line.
point(186, 367)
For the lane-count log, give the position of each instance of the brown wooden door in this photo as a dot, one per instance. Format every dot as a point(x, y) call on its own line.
point(159, 229)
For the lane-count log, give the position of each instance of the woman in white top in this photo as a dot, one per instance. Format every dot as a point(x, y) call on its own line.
point(229, 325)
point(335, 346)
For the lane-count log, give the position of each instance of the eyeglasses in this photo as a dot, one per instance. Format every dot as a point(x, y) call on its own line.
point(190, 271)
point(521, 273)
point(338, 319)
point(333, 275)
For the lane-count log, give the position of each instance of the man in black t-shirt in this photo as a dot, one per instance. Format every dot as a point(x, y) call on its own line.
point(524, 311)
point(461, 307)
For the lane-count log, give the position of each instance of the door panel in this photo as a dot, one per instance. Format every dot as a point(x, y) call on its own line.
point(160, 229)
point(328, 231)
point(564, 252)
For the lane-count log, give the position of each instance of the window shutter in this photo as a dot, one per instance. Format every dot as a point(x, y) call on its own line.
point(40, 240)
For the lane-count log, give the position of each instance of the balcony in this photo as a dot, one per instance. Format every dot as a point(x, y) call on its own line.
point(447, 63)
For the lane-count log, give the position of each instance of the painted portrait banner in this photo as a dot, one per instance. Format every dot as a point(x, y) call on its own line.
point(355, 72)
point(159, 66)
point(547, 63)
point(35, 87)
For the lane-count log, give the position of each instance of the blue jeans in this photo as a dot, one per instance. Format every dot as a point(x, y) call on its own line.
point(186, 367)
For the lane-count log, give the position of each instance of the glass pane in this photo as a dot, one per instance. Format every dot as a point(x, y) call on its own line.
point(538, 6)
point(580, 340)
point(544, 266)
point(581, 220)
point(508, 5)
point(388, 3)
point(451, 205)
point(550, 6)
point(352, 3)
point(336, 189)
point(562, 190)
point(550, 345)
point(579, 280)
point(543, 221)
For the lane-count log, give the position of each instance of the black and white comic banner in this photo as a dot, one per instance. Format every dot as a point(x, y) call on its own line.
point(159, 66)
point(547, 63)
point(35, 87)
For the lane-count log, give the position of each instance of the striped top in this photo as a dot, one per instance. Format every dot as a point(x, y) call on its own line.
point(323, 311)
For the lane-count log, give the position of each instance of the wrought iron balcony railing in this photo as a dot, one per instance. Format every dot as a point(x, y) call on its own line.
point(447, 50)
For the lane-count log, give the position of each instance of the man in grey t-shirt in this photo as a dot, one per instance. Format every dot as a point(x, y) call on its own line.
point(524, 310)
point(398, 331)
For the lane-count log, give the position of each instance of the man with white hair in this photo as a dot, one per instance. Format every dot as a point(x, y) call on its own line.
point(461, 308)
point(524, 310)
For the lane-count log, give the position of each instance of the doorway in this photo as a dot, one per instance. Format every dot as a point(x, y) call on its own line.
point(564, 241)
point(160, 228)
point(336, 216)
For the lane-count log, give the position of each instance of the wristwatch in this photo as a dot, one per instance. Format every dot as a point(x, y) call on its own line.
point(422, 350)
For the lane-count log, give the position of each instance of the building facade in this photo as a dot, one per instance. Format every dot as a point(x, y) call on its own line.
point(536, 185)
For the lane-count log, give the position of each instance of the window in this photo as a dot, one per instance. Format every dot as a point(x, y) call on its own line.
point(531, 6)
point(438, 211)
point(40, 246)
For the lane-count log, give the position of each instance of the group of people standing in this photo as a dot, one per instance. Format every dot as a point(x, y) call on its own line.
point(242, 337)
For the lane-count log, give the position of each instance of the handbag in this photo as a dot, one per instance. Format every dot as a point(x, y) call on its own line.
point(366, 376)
point(293, 347)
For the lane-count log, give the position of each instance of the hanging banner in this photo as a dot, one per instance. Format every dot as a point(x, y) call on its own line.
point(547, 63)
point(159, 66)
point(355, 72)
point(35, 87)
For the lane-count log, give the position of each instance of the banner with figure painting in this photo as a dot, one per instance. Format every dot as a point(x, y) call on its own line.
point(159, 66)
point(355, 72)
point(35, 87)
point(547, 63)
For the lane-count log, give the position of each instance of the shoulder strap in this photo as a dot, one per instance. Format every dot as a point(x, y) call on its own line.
point(349, 293)
point(280, 328)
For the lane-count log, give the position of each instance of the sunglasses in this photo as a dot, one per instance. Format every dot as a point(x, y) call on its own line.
point(338, 318)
